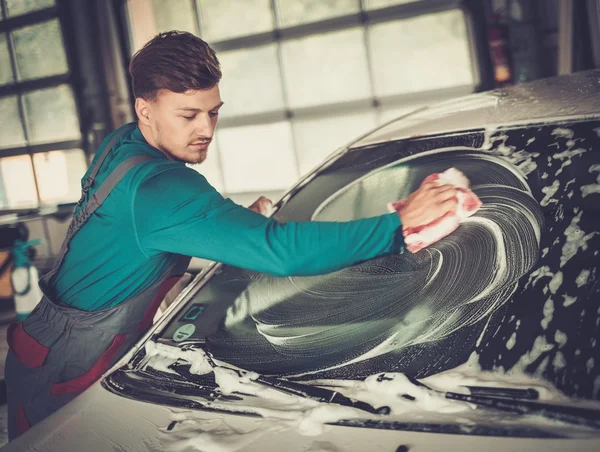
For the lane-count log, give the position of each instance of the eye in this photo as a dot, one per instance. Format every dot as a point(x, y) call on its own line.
point(214, 114)
point(189, 118)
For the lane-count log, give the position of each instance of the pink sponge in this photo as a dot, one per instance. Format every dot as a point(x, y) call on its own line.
point(419, 237)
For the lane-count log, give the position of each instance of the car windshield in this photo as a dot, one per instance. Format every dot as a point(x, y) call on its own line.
point(512, 289)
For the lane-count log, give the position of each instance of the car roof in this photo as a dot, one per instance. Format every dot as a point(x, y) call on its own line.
point(547, 100)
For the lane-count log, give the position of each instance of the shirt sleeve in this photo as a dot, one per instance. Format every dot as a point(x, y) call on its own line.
point(178, 211)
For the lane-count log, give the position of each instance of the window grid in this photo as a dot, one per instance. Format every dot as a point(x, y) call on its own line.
point(20, 103)
point(20, 88)
point(365, 18)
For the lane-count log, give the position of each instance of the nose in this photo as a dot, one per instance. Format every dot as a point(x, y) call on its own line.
point(204, 125)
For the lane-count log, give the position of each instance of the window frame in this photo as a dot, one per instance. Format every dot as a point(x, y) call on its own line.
point(20, 88)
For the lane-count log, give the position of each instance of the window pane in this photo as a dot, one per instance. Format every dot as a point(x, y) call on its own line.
point(40, 51)
point(317, 138)
point(11, 130)
point(211, 168)
point(170, 15)
point(257, 158)
point(234, 18)
point(423, 53)
point(326, 68)
point(16, 176)
point(59, 175)
point(295, 12)
point(52, 115)
point(376, 4)
point(142, 25)
point(16, 7)
point(6, 74)
point(251, 80)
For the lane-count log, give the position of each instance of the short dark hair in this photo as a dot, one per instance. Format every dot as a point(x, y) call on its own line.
point(175, 60)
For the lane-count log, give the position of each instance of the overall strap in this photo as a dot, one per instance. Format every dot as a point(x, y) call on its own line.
point(97, 164)
point(84, 214)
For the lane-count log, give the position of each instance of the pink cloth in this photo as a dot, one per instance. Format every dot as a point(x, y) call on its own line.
point(419, 237)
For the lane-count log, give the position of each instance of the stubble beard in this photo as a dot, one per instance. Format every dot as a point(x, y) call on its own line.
point(161, 147)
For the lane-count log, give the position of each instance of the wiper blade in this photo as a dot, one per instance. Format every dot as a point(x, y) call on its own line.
point(573, 415)
point(320, 394)
point(507, 393)
point(315, 393)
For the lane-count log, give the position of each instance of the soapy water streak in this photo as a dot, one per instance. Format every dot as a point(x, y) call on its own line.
point(400, 300)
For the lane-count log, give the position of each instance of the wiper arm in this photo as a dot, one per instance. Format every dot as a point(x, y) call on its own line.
point(507, 393)
point(315, 393)
point(573, 415)
point(319, 394)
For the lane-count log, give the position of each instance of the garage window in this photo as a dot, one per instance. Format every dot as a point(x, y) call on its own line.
point(302, 78)
point(40, 137)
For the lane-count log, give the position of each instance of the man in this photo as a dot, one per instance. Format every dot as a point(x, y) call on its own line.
point(141, 216)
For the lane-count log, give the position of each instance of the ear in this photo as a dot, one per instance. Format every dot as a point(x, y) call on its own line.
point(143, 109)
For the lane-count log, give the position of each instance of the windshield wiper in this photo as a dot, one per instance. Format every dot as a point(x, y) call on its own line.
point(319, 394)
point(315, 393)
point(516, 401)
point(587, 417)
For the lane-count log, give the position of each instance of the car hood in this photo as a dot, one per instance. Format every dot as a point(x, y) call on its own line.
point(99, 420)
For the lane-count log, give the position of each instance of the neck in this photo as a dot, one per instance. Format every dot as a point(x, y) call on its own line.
point(148, 136)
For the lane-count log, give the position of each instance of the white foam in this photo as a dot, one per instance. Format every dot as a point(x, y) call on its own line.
point(560, 338)
point(563, 132)
point(576, 238)
point(568, 300)
point(592, 188)
point(548, 313)
point(511, 341)
point(166, 355)
point(559, 361)
point(583, 277)
point(541, 368)
point(567, 156)
point(540, 346)
point(549, 192)
point(538, 274)
point(555, 282)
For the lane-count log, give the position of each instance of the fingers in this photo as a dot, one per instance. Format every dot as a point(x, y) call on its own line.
point(430, 186)
point(436, 189)
point(449, 205)
point(441, 189)
point(433, 193)
point(428, 203)
point(262, 205)
point(446, 197)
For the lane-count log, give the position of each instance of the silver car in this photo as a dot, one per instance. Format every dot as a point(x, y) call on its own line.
point(486, 340)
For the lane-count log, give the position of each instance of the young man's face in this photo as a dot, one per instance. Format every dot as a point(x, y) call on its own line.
point(181, 125)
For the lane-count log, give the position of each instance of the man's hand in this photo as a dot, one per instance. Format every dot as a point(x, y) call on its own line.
point(429, 202)
point(262, 205)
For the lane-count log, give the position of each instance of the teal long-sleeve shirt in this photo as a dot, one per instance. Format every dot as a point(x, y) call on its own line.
point(163, 208)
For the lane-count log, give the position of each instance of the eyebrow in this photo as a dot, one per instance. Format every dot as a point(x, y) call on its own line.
point(198, 110)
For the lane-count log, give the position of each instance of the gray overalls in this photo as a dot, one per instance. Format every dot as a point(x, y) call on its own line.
point(59, 351)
